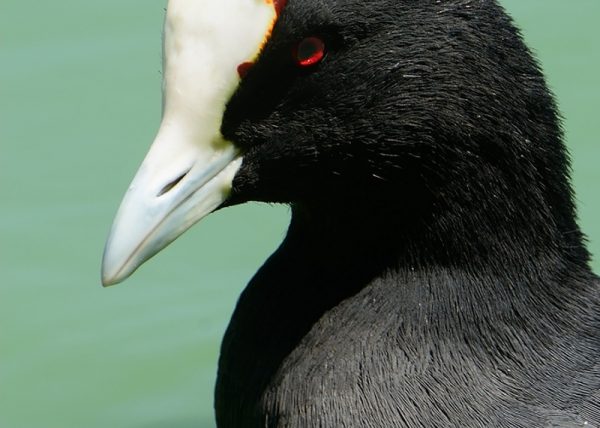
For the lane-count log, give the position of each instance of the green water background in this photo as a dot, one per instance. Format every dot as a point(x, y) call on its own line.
point(79, 104)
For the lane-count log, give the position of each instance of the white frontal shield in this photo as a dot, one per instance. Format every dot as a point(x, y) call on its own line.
point(190, 167)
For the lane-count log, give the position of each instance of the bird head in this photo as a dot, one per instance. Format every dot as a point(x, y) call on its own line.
point(419, 107)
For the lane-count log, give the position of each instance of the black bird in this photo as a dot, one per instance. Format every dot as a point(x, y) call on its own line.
point(433, 274)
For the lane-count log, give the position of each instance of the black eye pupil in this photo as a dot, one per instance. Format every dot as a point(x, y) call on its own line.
point(310, 51)
point(307, 49)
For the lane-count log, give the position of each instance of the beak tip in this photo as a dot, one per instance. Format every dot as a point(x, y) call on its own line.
point(108, 281)
point(110, 275)
point(119, 259)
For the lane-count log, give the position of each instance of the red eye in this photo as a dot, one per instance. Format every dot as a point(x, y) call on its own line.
point(309, 51)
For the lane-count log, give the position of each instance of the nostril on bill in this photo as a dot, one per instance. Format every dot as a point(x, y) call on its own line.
point(172, 184)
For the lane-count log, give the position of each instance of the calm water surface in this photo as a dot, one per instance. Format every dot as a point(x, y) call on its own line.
point(79, 104)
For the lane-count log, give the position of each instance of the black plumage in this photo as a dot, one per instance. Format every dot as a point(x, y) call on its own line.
point(433, 274)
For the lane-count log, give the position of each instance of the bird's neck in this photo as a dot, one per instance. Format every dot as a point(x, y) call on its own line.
point(347, 284)
point(501, 274)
